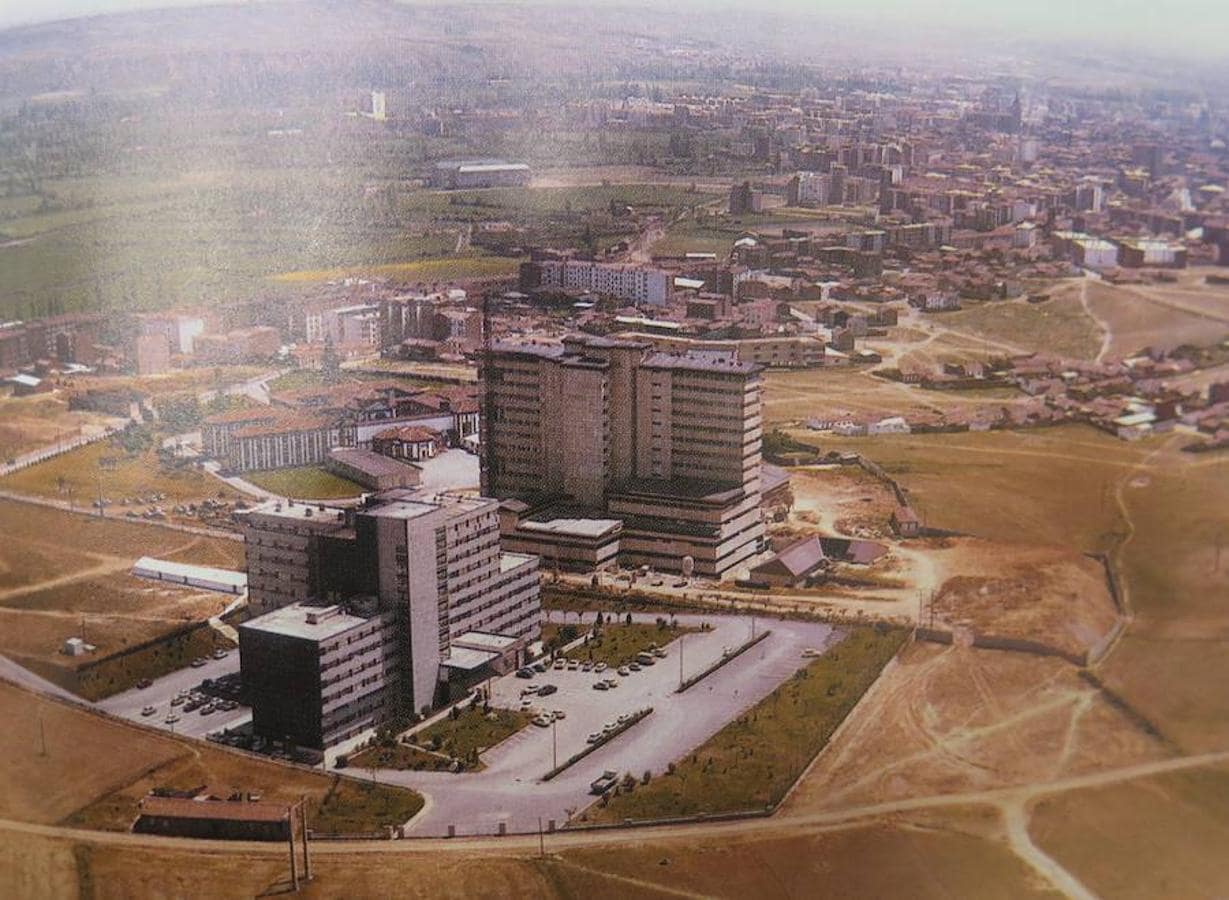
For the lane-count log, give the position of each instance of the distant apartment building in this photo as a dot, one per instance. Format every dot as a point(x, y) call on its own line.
point(241, 345)
point(745, 199)
point(1135, 253)
point(70, 338)
point(774, 352)
point(636, 284)
point(411, 597)
point(152, 354)
point(179, 330)
point(667, 443)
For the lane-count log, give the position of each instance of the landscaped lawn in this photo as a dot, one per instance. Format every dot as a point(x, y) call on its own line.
point(751, 762)
point(619, 644)
point(304, 483)
point(471, 730)
point(351, 807)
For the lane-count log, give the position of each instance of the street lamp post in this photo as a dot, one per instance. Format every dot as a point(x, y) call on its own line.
point(554, 744)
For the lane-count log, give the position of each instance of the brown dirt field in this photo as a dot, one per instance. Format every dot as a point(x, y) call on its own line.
point(28, 423)
point(960, 854)
point(97, 768)
point(87, 756)
point(949, 719)
point(797, 395)
point(1043, 594)
point(1163, 836)
point(1139, 316)
point(840, 500)
point(1042, 486)
point(56, 568)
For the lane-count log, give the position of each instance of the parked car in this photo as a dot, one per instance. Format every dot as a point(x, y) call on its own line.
point(542, 721)
point(659, 652)
point(601, 686)
point(624, 671)
point(612, 682)
point(586, 666)
point(199, 662)
point(600, 667)
point(172, 719)
point(634, 667)
point(539, 666)
point(573, 664)
point(546, 690)
point(178, 700)
point(144, 683)
point(605, 782)
point(208, 709)
point(149, 710)
point(559, 714)
point(560, 663)
point(532, 689)
point(220, 653)
point(524, 673)
point(593, 738)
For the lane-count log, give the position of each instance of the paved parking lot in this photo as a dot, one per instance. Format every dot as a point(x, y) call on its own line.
point(130, 703)
point(509, 789)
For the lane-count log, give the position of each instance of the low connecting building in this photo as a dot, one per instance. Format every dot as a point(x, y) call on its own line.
point(367, 613)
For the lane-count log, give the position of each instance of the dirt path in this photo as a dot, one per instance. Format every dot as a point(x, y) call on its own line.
point(1015, 820)
point(1107, 334)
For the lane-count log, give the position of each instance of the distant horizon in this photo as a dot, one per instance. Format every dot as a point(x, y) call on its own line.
point(1185, 28)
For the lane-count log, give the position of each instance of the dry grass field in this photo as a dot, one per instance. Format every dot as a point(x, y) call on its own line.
point(79, 475)
point(1163, 836)
point(843, 500)
point(963, 854)
point(96, 770)
point(59, 571)
point(1165, 315)
point(29, 423)
point(1059, 326)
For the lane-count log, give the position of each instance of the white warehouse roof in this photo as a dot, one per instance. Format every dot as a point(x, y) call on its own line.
point(207, 578)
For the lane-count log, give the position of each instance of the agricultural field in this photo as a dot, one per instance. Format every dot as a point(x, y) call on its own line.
point(61, 573)
point(102, 768)
point(304, 483)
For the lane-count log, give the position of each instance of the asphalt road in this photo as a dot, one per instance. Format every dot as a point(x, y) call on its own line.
point(509, 789)
point(129, 704)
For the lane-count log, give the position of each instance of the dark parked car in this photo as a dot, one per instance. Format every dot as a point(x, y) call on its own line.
point(546, 690)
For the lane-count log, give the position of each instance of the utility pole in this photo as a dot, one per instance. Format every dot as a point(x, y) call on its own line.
point(42, 735)
point(541, 840)
point(554, 744)
point(307, 861)
point(681, 636)
point(294, 872)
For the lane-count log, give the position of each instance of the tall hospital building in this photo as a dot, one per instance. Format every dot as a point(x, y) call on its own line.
point(604, 449)
point(388, 608)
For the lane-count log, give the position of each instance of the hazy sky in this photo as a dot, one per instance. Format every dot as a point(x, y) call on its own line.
point(1174, 26)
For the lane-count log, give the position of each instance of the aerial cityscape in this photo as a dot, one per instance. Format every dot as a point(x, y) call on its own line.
point(564, 450)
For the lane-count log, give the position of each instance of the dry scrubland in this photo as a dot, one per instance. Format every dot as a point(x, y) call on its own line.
point(1166, 315)
point(75, 477)
point(31, 423)
point(1163, 836)
point(57, 568)
point(96, 770)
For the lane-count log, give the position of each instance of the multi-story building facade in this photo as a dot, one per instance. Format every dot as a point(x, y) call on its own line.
point(429, 564)
point(667, 442)
point(636, 284)
point(320, 674)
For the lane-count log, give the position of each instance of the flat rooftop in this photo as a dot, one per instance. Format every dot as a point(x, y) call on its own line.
point(577, 527)
point(315, 623)
point(510, 561)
